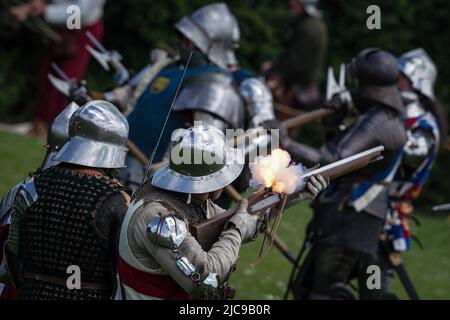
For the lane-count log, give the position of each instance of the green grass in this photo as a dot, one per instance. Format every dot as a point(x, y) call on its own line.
point(429, 268)
point(18, 156)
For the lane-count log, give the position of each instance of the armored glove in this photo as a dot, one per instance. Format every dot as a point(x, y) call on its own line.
point(314, 186)
point(243, 221)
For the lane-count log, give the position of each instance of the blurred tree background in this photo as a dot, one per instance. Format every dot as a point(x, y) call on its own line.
point(134, 27)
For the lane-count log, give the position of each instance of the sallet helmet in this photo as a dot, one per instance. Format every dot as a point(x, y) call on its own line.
point(98, 135)
point(214, 30)
point(58, 135)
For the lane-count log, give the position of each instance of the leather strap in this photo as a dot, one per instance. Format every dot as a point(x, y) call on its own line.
point(63, 282)
point(90, 171)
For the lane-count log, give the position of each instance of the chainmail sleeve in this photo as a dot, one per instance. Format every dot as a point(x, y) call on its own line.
point(109, 217)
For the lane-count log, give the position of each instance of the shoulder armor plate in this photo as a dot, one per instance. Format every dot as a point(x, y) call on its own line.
point(258, 100)
point(7, 202)
point(167, 231)
point(26, 195)
point(213, 93)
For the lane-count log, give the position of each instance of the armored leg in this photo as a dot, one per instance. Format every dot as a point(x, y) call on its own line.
point(329, 268)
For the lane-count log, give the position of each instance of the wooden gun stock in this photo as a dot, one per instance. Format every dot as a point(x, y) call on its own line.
point(208, 232)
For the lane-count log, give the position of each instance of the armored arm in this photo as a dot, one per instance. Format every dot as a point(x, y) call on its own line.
point(6, 206)
point(166, 238)
point(7, 203)
point(377, 126)
point(24, 198)
point(109, 215)
point(299, 152)
point(258, 101)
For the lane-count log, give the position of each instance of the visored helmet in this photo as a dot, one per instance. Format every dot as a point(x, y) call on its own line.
point(58, 135)
point(200, 161)
point(98, 135)
point(214, 30)
point(418, 67)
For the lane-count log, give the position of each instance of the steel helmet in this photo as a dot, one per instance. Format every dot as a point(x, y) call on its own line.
point(213, 29)
point(418, 67)
point(58, 135)
point(98, 135)
point(200, 161)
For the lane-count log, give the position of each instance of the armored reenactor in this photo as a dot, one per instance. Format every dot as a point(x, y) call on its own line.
point(158, 256)
point(209, 91)
point(212, 103)
point(68, 214)
point(294, 77)
point(426, 125)
point(57, 137)
point(350, 214)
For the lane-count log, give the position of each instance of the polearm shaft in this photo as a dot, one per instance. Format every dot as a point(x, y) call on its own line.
point(44, 29)
point(136, 152)
point(287, 109)
point(308, 117)
point(36, 24)
point(289, 123)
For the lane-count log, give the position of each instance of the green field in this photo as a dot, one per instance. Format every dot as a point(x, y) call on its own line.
point(429, 268)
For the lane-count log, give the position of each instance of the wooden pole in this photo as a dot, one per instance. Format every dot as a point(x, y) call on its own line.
point(307, 117)
point(289, 123)
point(287, 110)
point(137, 153)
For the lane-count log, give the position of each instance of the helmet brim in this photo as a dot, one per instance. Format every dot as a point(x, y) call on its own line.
point(96, 154)
point(168, 179)
point(387, 95)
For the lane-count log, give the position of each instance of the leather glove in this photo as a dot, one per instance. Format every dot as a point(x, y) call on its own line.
point(243, 221)
point(314, 186)
point(263, 222)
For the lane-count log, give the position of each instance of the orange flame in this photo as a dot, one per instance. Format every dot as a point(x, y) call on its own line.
point(273, 171)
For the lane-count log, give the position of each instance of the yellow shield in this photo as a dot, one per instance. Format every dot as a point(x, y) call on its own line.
point(159, 84)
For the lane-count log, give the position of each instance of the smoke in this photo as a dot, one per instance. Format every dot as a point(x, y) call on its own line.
point(276, 171)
